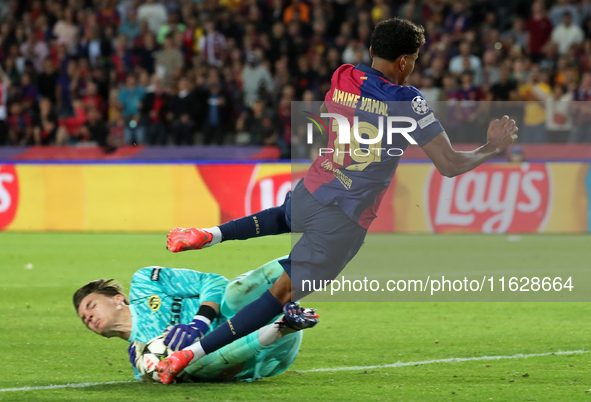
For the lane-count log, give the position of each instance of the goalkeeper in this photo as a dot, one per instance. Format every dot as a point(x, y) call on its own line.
point(188, 304)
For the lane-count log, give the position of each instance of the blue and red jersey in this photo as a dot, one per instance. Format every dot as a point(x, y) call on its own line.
point(355, 176)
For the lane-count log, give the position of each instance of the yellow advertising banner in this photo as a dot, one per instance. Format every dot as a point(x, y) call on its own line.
point(494, 198)
point(111, 198)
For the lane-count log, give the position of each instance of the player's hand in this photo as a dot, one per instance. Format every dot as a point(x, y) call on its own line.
point(182, 335)
point(501, 133)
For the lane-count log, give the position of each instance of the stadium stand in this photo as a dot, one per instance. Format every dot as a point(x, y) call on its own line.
point(177, 73)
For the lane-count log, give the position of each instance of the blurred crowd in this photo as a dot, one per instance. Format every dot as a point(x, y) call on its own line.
point(188, 72)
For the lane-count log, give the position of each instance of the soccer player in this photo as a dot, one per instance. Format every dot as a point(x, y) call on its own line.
point(337, 200)
point(163, 297)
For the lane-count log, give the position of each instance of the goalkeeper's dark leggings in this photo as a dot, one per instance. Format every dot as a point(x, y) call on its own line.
point(270, 221)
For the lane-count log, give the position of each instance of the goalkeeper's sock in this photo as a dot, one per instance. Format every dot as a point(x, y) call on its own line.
point(252, 317)
point(269, 221)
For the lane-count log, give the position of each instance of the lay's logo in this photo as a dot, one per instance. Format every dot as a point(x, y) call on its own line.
point(491, 199)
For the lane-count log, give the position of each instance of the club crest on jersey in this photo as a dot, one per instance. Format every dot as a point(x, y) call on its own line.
point(419, 105)
point(154, 303)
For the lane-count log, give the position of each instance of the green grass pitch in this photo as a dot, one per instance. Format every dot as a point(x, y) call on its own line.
point(44, 342)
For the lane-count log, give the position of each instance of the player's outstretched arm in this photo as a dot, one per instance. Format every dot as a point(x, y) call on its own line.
point(450, 163)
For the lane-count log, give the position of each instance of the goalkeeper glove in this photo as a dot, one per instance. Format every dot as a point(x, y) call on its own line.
point(135, 350)
point(183, 335)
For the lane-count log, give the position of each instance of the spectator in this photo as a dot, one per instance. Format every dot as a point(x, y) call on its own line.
point(458, 20)
point(130, 28)
point(517, 35)
point(45, 125)
point(278, 43)
point(147, 54)
point(534, 91)
point(256, 78)
point(155, 106)
point(549, 61)
point(173, 26)
point(212, 45)
point(504, 90)
point(92, 99)
point(297, 11)
point(35, 50)
point(20, 131)
point(490, 72)
point(95, 129)
point(561, 8)
point(116, 136)
point(430, 92)
point(66, 31)
point(69, 128)
point(154, 13)
point(469, 109)
point(169, 61)
point(47, 80)
point(66, 89)
point(516, 154)
point(214, 126)
point(290, 50)
point(582, 111)
point(28, 93)
point(263, 127)
point(539, 30)
point(4, 88)
point(465, 60)
point(585, 57)
point(130, 97)
point(180, 115)
point(567, 34)
point(559, 122)
point(12, 71)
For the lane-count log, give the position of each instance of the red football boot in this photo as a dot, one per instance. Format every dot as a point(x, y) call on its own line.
point(182, 239)
point(170, 367)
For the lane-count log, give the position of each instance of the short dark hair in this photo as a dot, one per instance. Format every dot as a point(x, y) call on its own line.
point(395, 37)
point(100, 286)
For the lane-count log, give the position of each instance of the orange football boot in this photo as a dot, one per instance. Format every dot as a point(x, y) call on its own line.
point(182, 239)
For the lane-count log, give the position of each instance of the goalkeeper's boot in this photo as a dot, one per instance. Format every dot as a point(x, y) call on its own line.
point(170, 367)
point(297, 318)
point(182, 239)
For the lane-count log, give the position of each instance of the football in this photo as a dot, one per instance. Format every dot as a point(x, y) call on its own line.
point(154, 352)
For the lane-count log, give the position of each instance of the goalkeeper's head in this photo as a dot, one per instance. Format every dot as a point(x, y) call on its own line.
point(103, 307)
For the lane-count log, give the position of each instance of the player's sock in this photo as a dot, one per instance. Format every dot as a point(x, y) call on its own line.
point(216, 234)
point(197, 350)
point(249, 319)
point(269, 334)
point(269, 221)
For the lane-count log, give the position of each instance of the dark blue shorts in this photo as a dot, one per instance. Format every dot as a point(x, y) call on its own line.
point(330, 239)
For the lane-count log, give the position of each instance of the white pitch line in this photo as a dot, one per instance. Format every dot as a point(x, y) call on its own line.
point(352, 368)
point(78, 385)
point(451, 360)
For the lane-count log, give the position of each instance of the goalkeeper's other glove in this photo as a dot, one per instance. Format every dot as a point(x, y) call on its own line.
point(135, 350)
point(183, 335)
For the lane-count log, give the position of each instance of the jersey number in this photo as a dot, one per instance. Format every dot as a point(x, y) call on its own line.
point(362, 156)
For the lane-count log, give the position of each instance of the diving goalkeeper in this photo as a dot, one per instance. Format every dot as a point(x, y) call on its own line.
point(187, 304)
